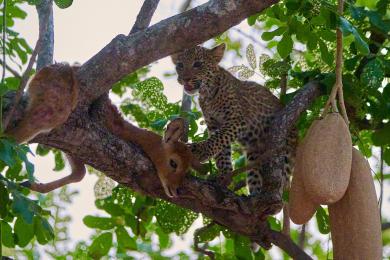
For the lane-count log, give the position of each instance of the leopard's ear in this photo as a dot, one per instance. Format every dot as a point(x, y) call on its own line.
point(218, 52)
point(175, 57)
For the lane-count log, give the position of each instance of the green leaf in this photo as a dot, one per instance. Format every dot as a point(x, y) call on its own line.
point(24, 232)
point(4, 201)
point(12, 83)
point(267, 36)
point(42, 150)
point(322, 221)
point(285, 45)
point(312, 42)
point(159, 124)
point(367, 3)
point(386, 155)
point(326, 56)
point(101, 223)
point(242, 247)
point(124, 239)
point(240, 162)
point(252, 19)
point(113, 209)
point(163, 238)
point(43, 231)
point(181, 221)
point(100, 246)
point(347, 28)
point(63, 3)
point(7, 238)
point(373, 74)
point(274, 223)
point(293, 5)
point(59, 161)
point(7, 153)
point(208, 234)
point(21, 207)
point(382, 136)
point(318, 20)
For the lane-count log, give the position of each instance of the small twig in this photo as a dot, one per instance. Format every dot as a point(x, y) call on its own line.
point(339, 64)
point(381, 168)
point(11, 70)
point(302, 237)
point(26, 76)
point(338, 86)
point(285, 243)
point(250, 37)
point(144, 16)
point(186, 99)
point(286, 220)
point(185, 107)
point(196, 241)
point(3, 75)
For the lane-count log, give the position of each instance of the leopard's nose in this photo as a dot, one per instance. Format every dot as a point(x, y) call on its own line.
point(186, 79)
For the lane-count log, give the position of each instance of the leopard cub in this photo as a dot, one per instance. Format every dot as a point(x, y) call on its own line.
point(234, 110)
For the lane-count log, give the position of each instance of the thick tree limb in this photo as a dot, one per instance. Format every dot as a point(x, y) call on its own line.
point(86, 139)
point(144, 16)
point(125, 54)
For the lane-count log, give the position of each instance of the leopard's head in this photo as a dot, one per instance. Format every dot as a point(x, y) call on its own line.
point(195, 65)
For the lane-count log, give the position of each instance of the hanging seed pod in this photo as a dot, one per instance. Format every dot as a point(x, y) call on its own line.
point(301, 208)
point(326, 159)
point(354, 220)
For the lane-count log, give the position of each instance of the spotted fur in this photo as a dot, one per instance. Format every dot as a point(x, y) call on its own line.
point(234, 110)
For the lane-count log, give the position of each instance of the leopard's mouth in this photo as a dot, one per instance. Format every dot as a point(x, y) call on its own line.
point(192, 86)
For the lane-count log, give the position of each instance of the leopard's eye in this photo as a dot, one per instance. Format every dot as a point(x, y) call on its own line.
point(172, 163)
point(179, 65)
point(197, 64)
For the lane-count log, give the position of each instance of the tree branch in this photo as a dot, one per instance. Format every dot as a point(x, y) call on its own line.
point(144, 16)
point(45, 16)
point(288, 245)
point(125, 54)
point(86, 139)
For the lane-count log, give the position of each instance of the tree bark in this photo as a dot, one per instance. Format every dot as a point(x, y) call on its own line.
point(125, 54)
point(45, 15)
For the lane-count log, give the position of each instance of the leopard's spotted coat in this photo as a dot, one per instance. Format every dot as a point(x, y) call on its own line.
point(234, 110)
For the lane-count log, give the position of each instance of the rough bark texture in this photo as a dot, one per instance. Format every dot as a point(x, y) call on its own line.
point(45, 15)
point(125, 54)
point(145, 16)
point(83, 137)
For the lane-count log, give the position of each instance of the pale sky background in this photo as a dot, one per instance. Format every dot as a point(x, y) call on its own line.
point(80, 32)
